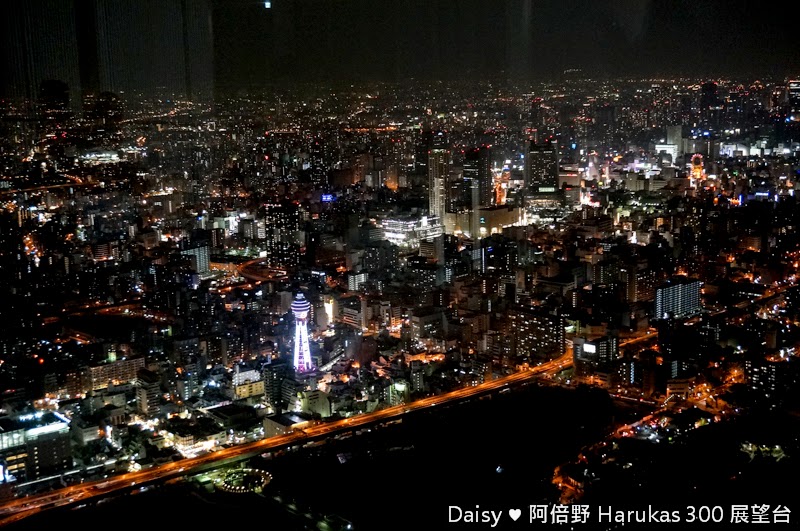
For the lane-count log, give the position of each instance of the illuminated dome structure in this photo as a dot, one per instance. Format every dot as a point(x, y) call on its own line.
point(244, 480)
point(302, 354)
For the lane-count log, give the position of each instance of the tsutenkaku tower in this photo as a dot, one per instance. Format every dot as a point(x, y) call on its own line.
point(302, 354)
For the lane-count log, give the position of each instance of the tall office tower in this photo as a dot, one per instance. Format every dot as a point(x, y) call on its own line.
point(477, 168)
point(282, 223)
point(282, 220)
point(38, 42)
point(438, 171)
point(462, 195)
point(678, 298)
point(319, 173)
point(541, 167)
point(48, 447)
point(422, 144)
point(302, 354)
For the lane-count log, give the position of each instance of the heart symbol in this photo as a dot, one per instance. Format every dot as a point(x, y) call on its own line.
point(514, 514)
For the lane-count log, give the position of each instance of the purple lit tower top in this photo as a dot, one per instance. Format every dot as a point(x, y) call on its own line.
point(302, 354)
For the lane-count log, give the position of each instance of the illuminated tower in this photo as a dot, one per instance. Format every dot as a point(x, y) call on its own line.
point(302, 354)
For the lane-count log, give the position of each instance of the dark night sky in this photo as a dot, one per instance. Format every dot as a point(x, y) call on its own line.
point(161, 46)
point(303, 40)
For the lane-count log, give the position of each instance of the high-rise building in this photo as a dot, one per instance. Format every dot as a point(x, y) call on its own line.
point(379, 255)
point(282, 222)
point(317, 160)
point(302, 353)
point(273, 376)
point(438, 172)
point(199, 254)
point(639, 284)
point(148, 393)
point(541, 167)
point(356, 280)
point(422, 144)
point(678, 297)
point(675, 137)
point(33, 446)
point(49, 450)
point(770, 379)
point(417, 376)
point(607, 348)
point(537, 333)
point(478, 169)
point(462, 195)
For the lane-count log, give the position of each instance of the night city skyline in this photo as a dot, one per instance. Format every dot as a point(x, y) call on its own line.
point(351, 265)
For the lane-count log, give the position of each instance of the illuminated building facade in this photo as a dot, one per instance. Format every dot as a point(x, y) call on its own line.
point(793, 96)
point(640, 284)
point(768, 378)
point(679, 297)
point(148, 393)
point(537, 333)
point(407, 232)
point(282, 221)
point(541, 167)
point(302, 354)
point(117, 372)
point(438, 172)
point(199, 255)
point(34, 446)
point(478, 170)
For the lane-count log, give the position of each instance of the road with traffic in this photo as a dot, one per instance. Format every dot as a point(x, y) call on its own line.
point(19, 508)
